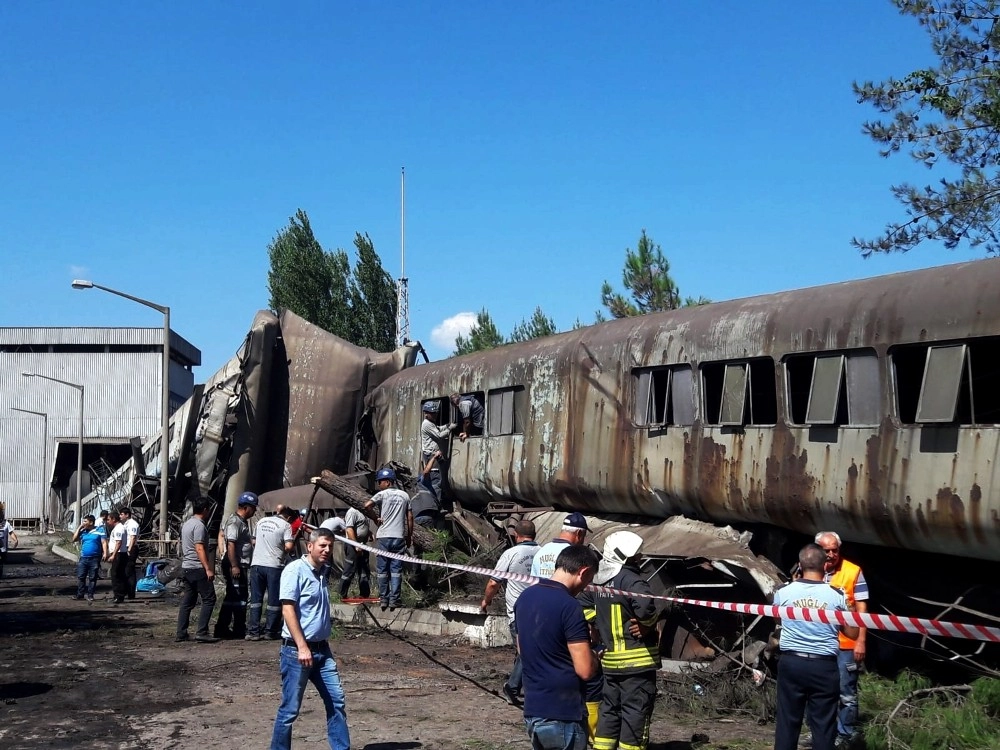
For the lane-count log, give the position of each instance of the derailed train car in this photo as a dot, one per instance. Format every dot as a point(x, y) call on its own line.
point(870, 407)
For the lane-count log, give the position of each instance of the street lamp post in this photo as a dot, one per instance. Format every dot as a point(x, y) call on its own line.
point(164, 396)
point(45, 451)
point(78, 505)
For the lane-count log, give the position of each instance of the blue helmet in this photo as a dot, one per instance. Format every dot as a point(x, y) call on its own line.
point(385, 474)
point(248, 498)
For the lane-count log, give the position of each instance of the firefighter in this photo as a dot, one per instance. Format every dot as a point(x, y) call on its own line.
point(627, 628)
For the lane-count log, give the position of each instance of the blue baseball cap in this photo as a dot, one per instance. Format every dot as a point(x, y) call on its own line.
point(576, 521)
point(248, 498)
point(383, 474)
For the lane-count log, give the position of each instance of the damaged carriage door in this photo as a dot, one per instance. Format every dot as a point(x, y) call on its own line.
point(366, 443)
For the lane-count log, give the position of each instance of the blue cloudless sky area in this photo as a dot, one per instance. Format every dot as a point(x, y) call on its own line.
point(157, 148)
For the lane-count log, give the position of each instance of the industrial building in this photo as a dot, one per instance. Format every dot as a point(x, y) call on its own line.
point(119, 370)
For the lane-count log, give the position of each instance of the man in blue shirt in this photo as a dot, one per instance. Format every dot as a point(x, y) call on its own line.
point(305, 650)
point(93, 548)
point(554, 642)
point(808, 676)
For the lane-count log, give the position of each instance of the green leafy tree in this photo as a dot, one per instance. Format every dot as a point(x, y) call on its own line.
point(647, 278)
point(482, 336)
point(537, 326)
point(947, 114)
point(306, 279)
point(318, 285)
point(373, 299)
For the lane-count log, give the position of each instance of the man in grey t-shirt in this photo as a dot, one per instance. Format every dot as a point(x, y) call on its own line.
point(198, 575)
point(232, 622)
point(517, 559)
point(274, 540)
point(395, 534)
point(356, 560)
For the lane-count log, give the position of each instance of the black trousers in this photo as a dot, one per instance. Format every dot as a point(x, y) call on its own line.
point(119, 576)
point(626, 709)
point(356, 564)
point(232, 622)
point(196, 584)
point(812, 684)
point(133, 558)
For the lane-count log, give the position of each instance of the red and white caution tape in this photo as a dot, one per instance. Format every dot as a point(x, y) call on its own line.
point(895, 623)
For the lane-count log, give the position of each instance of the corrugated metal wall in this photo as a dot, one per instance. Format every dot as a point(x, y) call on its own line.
point(121, 400)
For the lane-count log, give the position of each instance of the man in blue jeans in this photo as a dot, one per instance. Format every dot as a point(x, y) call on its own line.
point(554, 641)
point(395, 534)
point(305, 650)
point(93, 548)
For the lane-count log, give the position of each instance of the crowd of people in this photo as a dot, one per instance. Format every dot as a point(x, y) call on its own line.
point(585, 662)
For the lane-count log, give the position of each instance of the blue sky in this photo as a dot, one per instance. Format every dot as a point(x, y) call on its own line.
point(158, 147)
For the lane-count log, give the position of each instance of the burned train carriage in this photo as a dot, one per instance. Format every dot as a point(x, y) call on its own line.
point(870, 407)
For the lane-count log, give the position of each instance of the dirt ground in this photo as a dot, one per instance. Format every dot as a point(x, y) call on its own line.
point(80, 675)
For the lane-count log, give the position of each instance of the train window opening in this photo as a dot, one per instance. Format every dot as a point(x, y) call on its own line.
point(948, 384)
point(740, 393)
point(663, 396)
point(506, 411)
point(836, 389)
point(985, 367)
point(477, 404)
point(946, 368)
point(826, 391)
point(864, 391)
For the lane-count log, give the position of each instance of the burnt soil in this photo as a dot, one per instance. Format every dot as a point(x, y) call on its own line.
point(75, 674)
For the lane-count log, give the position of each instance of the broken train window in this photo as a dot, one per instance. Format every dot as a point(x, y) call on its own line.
point(663, 396)
point(740, 393)
point(505, 411)
point(948, 383)
point(834, 388)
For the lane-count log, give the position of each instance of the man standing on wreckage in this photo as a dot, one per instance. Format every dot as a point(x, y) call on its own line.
point(627, 627)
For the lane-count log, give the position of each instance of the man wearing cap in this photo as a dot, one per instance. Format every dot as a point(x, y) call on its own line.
point(434, 439)
point(574, 531)
point(627, 626)
point(232, 622)
point(395, 534)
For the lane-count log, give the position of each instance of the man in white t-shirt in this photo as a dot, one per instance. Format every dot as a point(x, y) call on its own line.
point(131, 550)
point(273, 542)
point(117, 556)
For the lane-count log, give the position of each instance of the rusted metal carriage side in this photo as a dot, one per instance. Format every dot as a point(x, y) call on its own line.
point(581, 445)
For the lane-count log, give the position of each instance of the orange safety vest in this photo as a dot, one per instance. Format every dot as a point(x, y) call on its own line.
point(845, 578)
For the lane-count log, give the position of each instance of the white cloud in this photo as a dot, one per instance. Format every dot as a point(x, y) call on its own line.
point(444, 334)
point(79, 272)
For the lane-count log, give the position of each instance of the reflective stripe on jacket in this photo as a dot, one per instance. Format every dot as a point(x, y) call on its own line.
point(611, 614)
point(844, 579)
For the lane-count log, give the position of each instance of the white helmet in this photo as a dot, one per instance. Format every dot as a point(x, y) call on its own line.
point(619, 547)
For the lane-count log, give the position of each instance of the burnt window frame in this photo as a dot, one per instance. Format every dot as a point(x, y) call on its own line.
point(726, 375)
point(659, 386)
point(850, 400)
point(978, 398)
point(518, 411)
